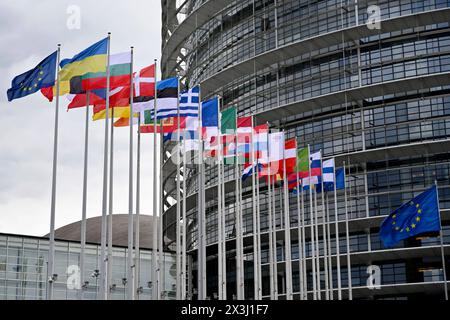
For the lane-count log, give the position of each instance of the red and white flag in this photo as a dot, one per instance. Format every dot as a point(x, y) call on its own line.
point(144, 82)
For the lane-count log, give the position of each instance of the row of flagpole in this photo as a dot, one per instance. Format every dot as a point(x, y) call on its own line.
point(105, 262)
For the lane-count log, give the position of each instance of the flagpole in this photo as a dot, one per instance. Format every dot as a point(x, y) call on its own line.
point(441, 236)
point(155, 195)
point(336, 226)
point(330, 261)
point(269, 207)
point(137, 255)
point(305, 278)
point(316, 225)
point(184, 227)
point(219, 210)
point(201, 265)
point(255, 235)
point(161, 265)
point(271, 253)
point(299, 233)
point(313, 248)
point(240, 261)
point(84, 204)
point(274, 239)
point(102, 291)
point(111, 208)
point(324, 232)
point(51, 257)
point(224, 238)
point(258, 232)
point(178, 213)
point(130, 282)
point(287, 231)
point(237, 220)
point(349, 268)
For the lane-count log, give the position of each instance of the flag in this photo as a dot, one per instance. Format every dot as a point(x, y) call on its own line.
point(118, 97)
point(40, 77)
point(119, 70)
point(119, 112)
point(417, 216)
point(144, 83)
point(261, 143)
point(276, 150)
point(228, 130)
point(290, 150)
point(189, 105)
point(210, 126)
point(167, 94)
point(302, 167)
point(244, 139)
point(248, 170)
point(316, 163)
point(92, 59)
point(125, 122)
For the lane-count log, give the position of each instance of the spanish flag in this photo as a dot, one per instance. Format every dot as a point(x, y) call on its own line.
point(92, 59)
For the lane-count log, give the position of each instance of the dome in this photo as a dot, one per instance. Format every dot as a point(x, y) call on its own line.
point(72, 232)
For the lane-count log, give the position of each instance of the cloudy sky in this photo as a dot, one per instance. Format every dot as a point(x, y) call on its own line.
point(29, 31)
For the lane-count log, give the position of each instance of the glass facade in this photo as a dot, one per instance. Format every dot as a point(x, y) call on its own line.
point(23, 270)
point(369, 98)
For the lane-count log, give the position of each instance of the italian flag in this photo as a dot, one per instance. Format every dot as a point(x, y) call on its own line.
point(120, 74)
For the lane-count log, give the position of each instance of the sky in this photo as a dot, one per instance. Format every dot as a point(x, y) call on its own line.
point(30, 31)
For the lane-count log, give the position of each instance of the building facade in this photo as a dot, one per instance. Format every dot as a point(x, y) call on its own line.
point(24, 259)
point(367, 85)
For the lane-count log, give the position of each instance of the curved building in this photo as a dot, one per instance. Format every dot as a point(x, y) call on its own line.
point(367, 85)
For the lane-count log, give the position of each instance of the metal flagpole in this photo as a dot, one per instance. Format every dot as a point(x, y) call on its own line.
point(274, 244)
point(441, 236)
point(178, 226)
point(84, 204)
point(111, 208)
point(155, 195)
point(287, 232)
point(349, 268)
point(201, 265)
point(258, 232)
point(184, 227)
point(131, 265)
point(224, 238)
point(336, 226)
point(299, 234)
point(330, 261)
point(137, 254)
point(241, 242)
point(102, 292)
point(316, 231)
point(313, 248)
point(161, 264)
point(51, 256)
point(271, 251)
point(305, 278)
point(255, 214)
point(237, 221)
point(220, 210)
point(324, 232)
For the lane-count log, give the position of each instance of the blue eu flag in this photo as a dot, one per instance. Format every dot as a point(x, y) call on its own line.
point(414, 217)
point(42, 76)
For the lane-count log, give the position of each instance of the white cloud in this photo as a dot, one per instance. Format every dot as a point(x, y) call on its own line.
point(29, 32)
